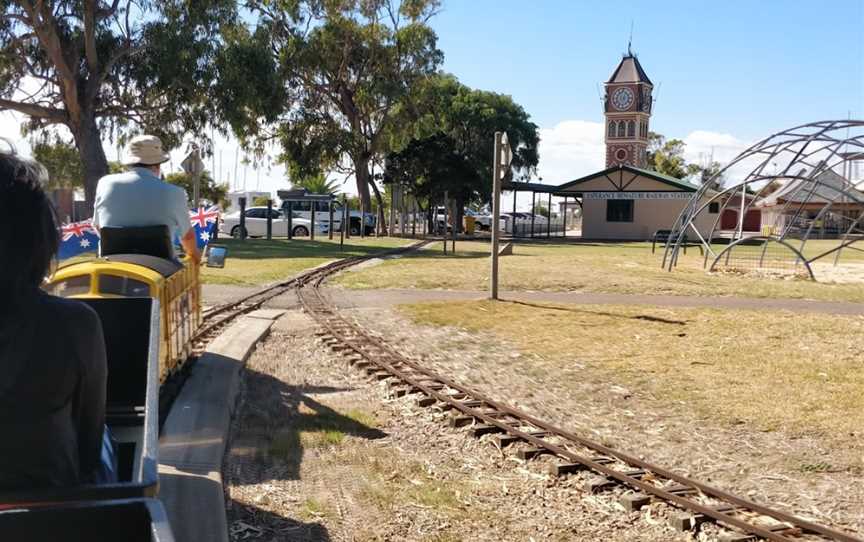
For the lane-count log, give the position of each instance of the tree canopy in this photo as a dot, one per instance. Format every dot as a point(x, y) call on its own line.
point(667, 157)
point(103, 68)
point(209, 189)
point(344, 65)
point(318, 184)
point(449, 145)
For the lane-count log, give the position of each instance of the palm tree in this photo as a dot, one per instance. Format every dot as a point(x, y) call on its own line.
point(318, 185)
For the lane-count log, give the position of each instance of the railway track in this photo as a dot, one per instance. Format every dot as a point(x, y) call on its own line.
point(744, 519)
point(216, 319)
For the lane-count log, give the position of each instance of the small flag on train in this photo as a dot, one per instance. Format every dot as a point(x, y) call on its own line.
point(205, 221)
point(77, 238)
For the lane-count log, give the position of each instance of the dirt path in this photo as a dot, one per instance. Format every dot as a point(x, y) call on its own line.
point(348, 298)
point(215, 294)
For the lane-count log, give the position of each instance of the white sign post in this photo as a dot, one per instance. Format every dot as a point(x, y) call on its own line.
point(502, 156)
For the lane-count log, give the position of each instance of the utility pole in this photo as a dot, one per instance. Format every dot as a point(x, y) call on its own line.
point(501, 157)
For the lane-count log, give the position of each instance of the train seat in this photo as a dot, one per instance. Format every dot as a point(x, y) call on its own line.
point(132, 341)
point(130, 520)
point(148, 240)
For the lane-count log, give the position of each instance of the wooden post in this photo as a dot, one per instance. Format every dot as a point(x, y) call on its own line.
point(242, 219)
point(343, 231)
point(403, 217)
point(564, 227)
point(513, 217)
point(445, 222)
point(362, 219)
point(394, 190)
point(549, 218)
point(313, 205)
point(414, 217)
point(269, 219)
point(533, 209)
point(496, 215)
point(290, 220)
point(330, 211)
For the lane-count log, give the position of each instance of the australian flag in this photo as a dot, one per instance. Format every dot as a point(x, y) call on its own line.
point(78, 238)
point(205, 222)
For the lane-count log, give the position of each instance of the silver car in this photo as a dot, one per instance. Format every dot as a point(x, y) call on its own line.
point(256, 224)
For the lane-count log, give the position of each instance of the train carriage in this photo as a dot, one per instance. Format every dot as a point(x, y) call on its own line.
point(150, 307)
point(175, 285)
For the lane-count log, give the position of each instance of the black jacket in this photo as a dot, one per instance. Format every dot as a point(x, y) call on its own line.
point(52, 393)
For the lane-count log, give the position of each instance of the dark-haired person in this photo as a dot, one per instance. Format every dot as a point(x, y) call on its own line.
point(53, 369)
point(138, 197)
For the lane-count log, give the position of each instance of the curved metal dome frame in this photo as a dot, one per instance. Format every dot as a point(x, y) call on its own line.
point(806, 152)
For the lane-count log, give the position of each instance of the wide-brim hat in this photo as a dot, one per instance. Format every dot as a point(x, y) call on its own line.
point(145, 150)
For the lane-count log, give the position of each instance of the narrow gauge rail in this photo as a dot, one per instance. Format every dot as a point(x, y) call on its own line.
point(487, 416)
point(215, 319)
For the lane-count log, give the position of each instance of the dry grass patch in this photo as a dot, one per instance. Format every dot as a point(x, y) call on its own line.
point(319, 429)
point(390, 483)
point(258, 261)
point(773, 370)
point(599, 267)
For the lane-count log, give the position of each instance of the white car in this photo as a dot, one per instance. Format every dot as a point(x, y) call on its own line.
point(256, 224)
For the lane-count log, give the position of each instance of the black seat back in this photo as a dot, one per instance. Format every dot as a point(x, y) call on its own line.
point(132, 340)
point(149, 240)
point(132, 520)
point(127, 327)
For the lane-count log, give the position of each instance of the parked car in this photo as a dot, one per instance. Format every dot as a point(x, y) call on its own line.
point(256, 224)
point(303, 209)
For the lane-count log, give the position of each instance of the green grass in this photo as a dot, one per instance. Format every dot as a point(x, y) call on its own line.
point(313, 509)
point(590, 267)
point(258, 261)
point(770, 369)
point(322, 428)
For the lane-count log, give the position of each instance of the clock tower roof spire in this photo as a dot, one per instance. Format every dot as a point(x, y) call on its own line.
point(629, 71)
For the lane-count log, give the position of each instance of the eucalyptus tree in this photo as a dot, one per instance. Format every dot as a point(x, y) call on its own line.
point(345, 65)
point(457, 122)
point(105, 67)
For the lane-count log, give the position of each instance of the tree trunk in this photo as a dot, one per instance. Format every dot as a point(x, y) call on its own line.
point(382, 226)
point(459, 214)
point(361, 172)
point(93, 159)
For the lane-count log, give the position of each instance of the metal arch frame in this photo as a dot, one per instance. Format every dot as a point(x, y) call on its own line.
point(808, 146)
point(767, 240)
point(759, 148)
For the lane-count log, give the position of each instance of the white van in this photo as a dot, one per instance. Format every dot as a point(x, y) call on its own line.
point(322, 215)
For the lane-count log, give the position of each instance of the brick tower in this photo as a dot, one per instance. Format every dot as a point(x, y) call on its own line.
point(627, 106)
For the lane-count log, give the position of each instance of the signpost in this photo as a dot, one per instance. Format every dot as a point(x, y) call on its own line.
point(194, 167)
point(501, 156)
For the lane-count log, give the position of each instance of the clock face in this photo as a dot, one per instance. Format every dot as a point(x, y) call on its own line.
point(622, 99)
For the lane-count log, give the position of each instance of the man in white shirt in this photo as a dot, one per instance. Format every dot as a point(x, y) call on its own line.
point(139, 197)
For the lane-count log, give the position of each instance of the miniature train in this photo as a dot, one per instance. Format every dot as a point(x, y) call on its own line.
point(150, 310)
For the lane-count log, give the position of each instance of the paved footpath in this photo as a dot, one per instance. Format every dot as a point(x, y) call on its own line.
point(388, 297)
point(346, 298)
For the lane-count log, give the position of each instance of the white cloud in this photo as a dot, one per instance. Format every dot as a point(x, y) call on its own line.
point(702, 146)
point(571, 149)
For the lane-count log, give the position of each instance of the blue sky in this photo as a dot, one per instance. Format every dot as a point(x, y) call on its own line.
point(726, 73)
point(744, 68)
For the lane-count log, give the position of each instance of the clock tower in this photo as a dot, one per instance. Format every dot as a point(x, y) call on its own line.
point(627, 106)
